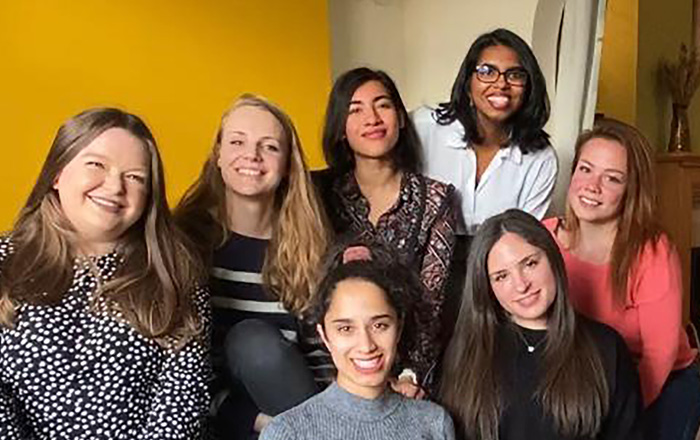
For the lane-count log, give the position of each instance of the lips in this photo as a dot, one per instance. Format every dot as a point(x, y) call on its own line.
point(529, 299)
point(375, 134)
point(106, 203)
point(369, 365)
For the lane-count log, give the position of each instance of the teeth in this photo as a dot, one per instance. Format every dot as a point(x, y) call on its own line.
point(376, 134)
point(499, 102)
point(367, 364)
point(249, 172)
point(588, 201)
point(105, 202)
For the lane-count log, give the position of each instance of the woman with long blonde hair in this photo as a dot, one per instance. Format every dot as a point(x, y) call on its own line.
point(254, 214)
point(102, 326)
point(624, 271)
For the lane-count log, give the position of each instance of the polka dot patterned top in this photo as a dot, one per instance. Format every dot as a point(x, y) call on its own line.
point(77, 371)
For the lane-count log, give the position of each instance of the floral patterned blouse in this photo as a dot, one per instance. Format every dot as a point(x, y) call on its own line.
point(420, 227)
point(74, 370)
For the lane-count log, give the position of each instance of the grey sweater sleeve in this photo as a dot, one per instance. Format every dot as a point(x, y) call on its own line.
point(448, 427)
point(278, 430)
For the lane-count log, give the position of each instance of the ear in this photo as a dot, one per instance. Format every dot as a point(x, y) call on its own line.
point(54, 185)
point(322, 334)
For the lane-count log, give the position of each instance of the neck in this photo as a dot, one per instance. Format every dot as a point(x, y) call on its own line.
point(250, 216)
point(491, 133)
point(366, 392)
point(595, 240)
point(89, 248)
point(375, 173)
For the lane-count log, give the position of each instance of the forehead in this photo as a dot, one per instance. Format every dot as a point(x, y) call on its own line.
point(251, 119)
point(118, 144)
point(508, 250)
point(369, 91)
point(605, 153)
point(358, 299)
point(499, 56)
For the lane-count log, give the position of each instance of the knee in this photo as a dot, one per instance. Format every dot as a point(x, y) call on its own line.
point(255, 344)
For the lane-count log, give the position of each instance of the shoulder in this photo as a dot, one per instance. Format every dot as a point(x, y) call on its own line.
point(322, 177)
point(426, 413)
point(6, 248)
point(423, 116)
point(545, 156)
point(439, 190)
point(602, 334)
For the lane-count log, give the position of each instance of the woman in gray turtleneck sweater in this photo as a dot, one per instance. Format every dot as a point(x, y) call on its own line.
point(360, 312)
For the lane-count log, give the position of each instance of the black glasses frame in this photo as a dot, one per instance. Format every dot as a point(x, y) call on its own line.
point(507, 75)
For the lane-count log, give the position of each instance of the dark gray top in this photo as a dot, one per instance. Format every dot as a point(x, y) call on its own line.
point(336, 414)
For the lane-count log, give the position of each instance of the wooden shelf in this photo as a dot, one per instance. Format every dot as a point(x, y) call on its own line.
point(678, 184)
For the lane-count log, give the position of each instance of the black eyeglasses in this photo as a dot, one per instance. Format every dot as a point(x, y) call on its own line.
point(486, 73)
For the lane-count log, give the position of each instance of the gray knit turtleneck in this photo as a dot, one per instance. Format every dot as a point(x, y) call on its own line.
point(337, 414)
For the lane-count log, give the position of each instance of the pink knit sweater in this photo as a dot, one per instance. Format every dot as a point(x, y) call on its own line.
point(650, 319)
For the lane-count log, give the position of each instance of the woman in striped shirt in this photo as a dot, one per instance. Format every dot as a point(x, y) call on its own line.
point(256, 219)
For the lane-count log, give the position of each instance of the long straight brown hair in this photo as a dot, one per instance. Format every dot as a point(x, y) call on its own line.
point(572, 390)
point(299, 236)
point(152, 288)
point(636, 225)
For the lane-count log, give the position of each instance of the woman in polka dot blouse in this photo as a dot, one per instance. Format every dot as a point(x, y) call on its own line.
point(102, 326)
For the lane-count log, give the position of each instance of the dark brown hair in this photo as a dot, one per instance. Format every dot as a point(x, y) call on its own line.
point(572, 390)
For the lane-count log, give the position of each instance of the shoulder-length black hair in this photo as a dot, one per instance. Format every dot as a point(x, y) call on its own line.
point(572, 388)
point(337, 152)
point(526, 124)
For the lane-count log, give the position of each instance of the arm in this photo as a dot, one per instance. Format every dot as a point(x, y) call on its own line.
point(435, 270)
point(181, 398)
point(12, 425)
point(448, 427)
point(541, 186)
point(657, 294)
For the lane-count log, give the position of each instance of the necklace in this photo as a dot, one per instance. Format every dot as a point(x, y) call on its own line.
point(530, 348)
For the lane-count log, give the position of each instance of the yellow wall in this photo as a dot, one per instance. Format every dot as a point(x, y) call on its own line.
point(177, 63)
point(617, 83)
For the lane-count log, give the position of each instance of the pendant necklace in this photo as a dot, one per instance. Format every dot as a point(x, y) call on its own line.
point(530, 348)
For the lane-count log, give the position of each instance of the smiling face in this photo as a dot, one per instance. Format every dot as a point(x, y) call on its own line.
point(522, 280)
point(599, 181)
point(253, 153)
point(373, 123)
point(496, 102)
point(104, 188)
point(361, 331)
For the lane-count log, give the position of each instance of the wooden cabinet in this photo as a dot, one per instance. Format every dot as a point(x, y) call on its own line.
point(678, 185)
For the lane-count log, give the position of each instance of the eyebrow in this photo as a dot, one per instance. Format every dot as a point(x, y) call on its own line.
point(371, 319)
point(614, 170)
point(377, 98)
point(144, 168)
point(521, 261)
point(246, 135)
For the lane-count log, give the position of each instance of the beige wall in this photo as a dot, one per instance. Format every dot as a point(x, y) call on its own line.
point(421, 43)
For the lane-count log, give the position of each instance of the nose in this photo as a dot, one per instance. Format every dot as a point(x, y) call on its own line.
point(521, 282)
point(501, 81)
point(373, 117)
point(366, 342)
point(594, 183)
point(253, 151)
point(114, 182)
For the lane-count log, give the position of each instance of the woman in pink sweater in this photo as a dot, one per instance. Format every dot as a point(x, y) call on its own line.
point(625, 272)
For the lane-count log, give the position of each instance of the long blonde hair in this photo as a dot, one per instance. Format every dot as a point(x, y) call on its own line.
point(152, 288)
point(299, 235)
point(637, 225)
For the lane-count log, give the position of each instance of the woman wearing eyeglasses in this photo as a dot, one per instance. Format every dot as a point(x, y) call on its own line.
point(488, 139)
